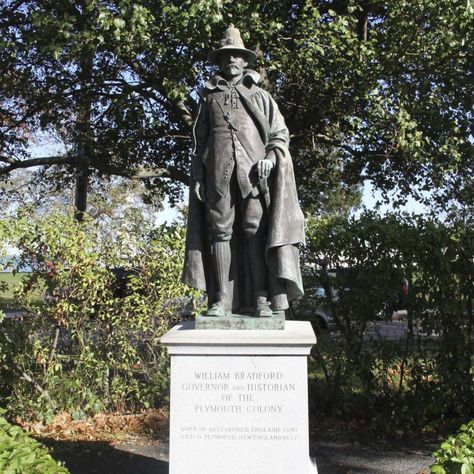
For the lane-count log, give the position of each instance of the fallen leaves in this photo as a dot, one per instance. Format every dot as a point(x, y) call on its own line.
point(104, 426)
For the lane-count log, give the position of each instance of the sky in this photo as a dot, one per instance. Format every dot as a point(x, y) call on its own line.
point(370, 196)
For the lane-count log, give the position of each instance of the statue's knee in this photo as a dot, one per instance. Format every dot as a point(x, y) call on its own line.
point(220, 237)
point(254, 227)
point(250, 232)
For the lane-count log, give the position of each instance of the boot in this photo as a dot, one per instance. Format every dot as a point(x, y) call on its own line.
point(262, 309)
point(216, 310)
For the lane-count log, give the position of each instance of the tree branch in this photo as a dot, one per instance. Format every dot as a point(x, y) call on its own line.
point(44, 161)
point(11, 9)
point(178, 106)
point(8, 159)
point(363, 24)
point(23, 375)
point(35, 384)
point(142, 172)
point(337, 143)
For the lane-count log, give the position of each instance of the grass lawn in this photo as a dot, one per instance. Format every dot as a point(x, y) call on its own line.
point(6, 297)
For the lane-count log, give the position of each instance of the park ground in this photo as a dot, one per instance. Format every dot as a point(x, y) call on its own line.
point(138, 444)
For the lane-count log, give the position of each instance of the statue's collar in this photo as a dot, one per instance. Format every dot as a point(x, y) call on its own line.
point(218, 83)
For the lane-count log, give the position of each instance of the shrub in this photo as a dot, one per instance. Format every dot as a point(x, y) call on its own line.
point(412, 381)
point(88, 347)
point(456, 454)
point(19, 453)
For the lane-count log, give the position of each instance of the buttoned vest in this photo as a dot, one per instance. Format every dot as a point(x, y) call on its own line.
point(234, 142)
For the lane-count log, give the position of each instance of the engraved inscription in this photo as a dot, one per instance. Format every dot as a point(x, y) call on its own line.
point(252, 393)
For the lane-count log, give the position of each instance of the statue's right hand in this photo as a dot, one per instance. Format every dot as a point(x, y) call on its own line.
point(199, 189)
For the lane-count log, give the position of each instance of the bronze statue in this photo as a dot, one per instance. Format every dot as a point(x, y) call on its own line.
point(244, 221)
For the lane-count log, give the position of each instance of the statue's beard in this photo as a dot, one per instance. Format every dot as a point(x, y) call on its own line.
point(231, 71)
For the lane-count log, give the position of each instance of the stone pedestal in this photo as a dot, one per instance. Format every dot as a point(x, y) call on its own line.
point(239, 400)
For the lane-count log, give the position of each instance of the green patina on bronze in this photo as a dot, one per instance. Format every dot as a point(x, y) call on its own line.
point(241, 321)
point(244, 219)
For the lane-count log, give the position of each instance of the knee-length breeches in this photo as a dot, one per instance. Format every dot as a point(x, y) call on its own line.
point(221, 214)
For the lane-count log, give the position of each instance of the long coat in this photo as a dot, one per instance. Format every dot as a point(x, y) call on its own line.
point(285, 222)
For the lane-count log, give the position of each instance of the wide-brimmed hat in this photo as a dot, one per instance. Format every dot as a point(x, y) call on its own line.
point(232, 41)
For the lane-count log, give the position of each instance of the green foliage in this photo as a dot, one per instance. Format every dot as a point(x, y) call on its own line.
point(19, 453)
point(92, 345)
point(414, 381)
point(456, 454)
point(370, 90)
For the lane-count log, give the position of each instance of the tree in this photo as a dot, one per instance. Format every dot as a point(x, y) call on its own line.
point(370, 89)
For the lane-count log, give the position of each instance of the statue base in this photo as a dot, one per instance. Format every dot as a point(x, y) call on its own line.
point(239, 400)
point(241, 322)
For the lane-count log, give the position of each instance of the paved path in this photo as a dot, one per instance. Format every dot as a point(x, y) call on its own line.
point(332, 457)
point(371, 458)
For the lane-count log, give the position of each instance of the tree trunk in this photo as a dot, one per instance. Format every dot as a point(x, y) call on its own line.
point(84, 132)
point(80, 193)
point(363, 25)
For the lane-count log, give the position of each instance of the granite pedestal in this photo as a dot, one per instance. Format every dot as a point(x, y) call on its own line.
point(239, 400)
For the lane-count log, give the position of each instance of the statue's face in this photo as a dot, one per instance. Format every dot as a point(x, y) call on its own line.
point(232, 64)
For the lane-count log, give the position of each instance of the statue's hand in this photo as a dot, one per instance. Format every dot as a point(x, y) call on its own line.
point(264, 168)
point(199, 189)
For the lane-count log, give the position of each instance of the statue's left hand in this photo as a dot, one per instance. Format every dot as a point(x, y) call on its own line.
point(264, 168)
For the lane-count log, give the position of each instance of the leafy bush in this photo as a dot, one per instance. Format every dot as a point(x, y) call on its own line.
point(93, 344)
point(19, 453)
point(456, 454)
point(413, 381)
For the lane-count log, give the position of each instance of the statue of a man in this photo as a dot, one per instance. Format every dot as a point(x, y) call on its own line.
point(244, 222)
